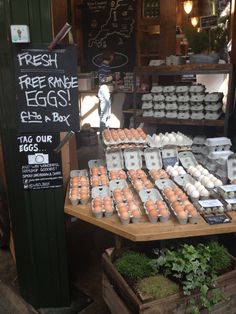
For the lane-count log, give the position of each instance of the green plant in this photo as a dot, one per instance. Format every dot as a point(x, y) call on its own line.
point(219, 256)
point(198, 41)
point(134, 265)
point(196, 270)
point(157, 287)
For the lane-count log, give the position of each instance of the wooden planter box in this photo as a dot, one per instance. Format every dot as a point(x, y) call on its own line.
point(120, 298)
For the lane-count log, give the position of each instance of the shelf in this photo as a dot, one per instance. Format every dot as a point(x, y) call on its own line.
point(186, 69)
point(165, 121)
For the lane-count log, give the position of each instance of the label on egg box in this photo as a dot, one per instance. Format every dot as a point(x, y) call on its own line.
point(210, 203)
point(229, 188)
point(230, 200)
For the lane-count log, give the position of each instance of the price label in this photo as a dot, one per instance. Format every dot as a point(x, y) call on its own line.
point(210, 203)
point(229, 188)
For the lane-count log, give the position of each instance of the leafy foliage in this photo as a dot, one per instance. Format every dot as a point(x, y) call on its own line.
point(134, 265)
point(198, 41)
point(157, 287)
point(196, 269)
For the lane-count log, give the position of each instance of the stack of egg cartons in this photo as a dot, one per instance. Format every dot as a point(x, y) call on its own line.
point(218, 151)
point(213, 105)
point(158, 101)
point(147, 105)
point(170, 101)
point(196, 99)
point(183, 102)
point(199, 149)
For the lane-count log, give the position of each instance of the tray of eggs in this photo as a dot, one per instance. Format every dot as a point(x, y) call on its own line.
point(156, 210)
point(128, 212)
point(139, 179)
point(98, 176)
point(122, 195)
point(211, 206)
point(229, 204)
point(158, 174)
point(176, 170)
point(112, 136)
point(102, 206)
point(227, 191)
point(117, 174)
point(79, 190)
point(185, 212)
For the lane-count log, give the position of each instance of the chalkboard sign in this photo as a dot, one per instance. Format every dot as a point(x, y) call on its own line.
point(208, 21)
point(47, 89)
point(110, 24)
point(40, 165)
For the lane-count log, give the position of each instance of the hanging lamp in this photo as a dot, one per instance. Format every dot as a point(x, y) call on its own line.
point(188, 5)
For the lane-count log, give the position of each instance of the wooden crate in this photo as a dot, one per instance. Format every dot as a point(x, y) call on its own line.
point(120, 298)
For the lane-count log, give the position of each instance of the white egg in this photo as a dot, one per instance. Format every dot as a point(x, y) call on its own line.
point(210, 185)
point(168, 168)
point(205, 193)
point(190, 168)
point(190, 189)
point(200, 189)
point(176, 166)
point(181, 172)
point(187, 185)
point(197, 173)
point(157, 139)
point(172, 139)
point(199, 167)
point(179, 139)
point(174, 173)
point(205, 172)
point(195, 194)
point(204, 180)
point(197, 184)
point(218, 182)
point(165, 140)
point(214, 179)
point(210, 176)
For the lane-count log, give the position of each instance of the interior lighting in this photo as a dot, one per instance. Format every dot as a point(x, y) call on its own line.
point(188, 5)
point(194, 21)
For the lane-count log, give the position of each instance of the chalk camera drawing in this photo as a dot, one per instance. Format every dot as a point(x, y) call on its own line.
point(38, 159)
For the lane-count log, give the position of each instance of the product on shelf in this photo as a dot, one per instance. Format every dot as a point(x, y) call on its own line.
point(102, 206)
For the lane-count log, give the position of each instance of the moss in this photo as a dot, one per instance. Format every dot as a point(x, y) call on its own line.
point(134, 265)
point(157, 287)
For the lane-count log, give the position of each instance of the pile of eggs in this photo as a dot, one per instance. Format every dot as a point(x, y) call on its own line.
point(175, 171)
point(196, 190)
point(98, 176)
point(185, 211)
point(168, 139)
point(122, 195)
point(128, 212)
point(197, 171)
point(102, 205)
point(159, 174)
point(156, 210)
point(208, 180)
point(124, 134)
point(79, 194)
point(117, 175)
point(174, 193)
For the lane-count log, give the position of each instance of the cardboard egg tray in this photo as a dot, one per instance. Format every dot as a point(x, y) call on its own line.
point(114, 159)
point(95, 163)
point(101, 180)
point(79, 174)
point(218, 144)
point(147, 97)
point(77, 200)
point(157, 89)
point(126, 139)
point(103, 212)
point(159, 106)
point(187, 159)
point(147, 105)
point(117, 174)
point(130, 217)
point(157, 218)
point(158, 98)
point(227, 191)
point(210, 206)
point(159, 114)
point(188, 219)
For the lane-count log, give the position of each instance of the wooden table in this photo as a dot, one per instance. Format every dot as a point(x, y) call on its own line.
point(144, 230)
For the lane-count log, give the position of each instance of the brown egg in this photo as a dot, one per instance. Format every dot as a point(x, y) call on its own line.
point(102, 170)
point(84, 189)
point(97, 208)
point(132, 206)
point(97, 201)
point(118, 198)
point(138, 185)
point(124, 216)
point(182, 215)
point(150, 207)
point(136, 213)
point(159, 203)
point(104, 181)
point(164, 212)
point(117, 192)
point(149, 202)
point(189, 207)
point(178, 209)
point(108, 208)
point(153, 213)
point(83, 196)
point(132, 172)
point(94, 170)
point(172, 198)
point(167, 190)
point(74, 184)
point(75, 179)
point(161, 207)
point(233, 181)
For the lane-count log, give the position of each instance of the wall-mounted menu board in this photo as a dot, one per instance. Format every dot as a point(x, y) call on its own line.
point(109, 24)
point(40, 165)
point(47, 89)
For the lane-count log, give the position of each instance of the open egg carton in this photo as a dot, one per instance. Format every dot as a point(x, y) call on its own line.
point(119, 136)
point(128, 212)
point(79, 178)
point(175, 170)
point(115, 164)
point(173, 138)
point(154, 205)
point(227, 191)
point(211, 206)
point(139, 179)
point(218, 144)
point(79, 187)
point(153, 162)
point(98, 172)
point(187, 159)
point(217, 160)
point(169, 156)
point(120, 191)
point(102, 203)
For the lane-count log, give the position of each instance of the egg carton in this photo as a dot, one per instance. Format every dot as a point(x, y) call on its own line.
point(213, 97)
point(100, 191)
point(230, 204)
point(218, 144)
point(198, 149)
point(77, 200)
point(133, 158)
point(213, 106)
point(153, 158)
point(150, 194)
point(117, 184)
point(187, 159)
point(169, 90)
point(196, 89)
point(210, 206)
point(117, 175)
point(111, 141)
point(199, 157)
point(197, 108)
point(183, 99)
point(170, 99)
point(212, 115)
point(78, 173)
point(169, 156)
point(159, 113)
point(148, 113)
point(171, 106)
point(183, 179)
point(157, 89)
point(197, 115)
point(197, 98)
point(159, 106)
point(131, 218)
point(147, 105)
point(103, 212)
point(222, 175)
point(199, 140)
point(114, 159)
point(227, 191)
point(161, 184)
point(147, 97)
point(231, 167)
point(183, 106)
point(158, 217)
point(171, 114)
point(96, 163)
point(158, 98)
point(182, 89)
point(183, 115)
point(161, 174)
point(186, 219)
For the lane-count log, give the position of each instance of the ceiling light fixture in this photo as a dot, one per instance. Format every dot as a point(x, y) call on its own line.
point(194, 21)
point(188, 5)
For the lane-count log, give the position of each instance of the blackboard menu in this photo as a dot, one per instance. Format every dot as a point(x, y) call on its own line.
point(208, 21)
point(40, 165)
point(110, 24)
point(47, 89)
